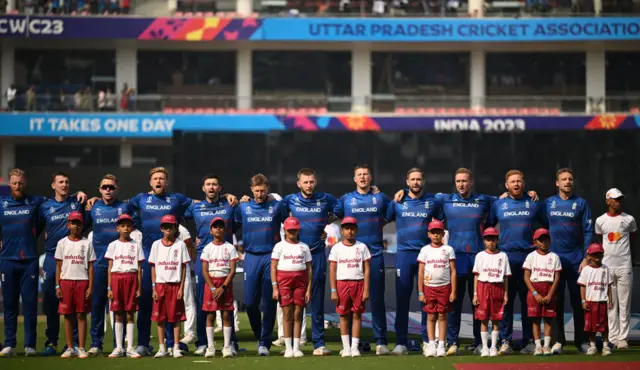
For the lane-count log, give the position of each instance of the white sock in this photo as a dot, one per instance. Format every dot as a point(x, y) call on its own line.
point(605, 344)
point(119, 333)
point(440, 344)
point(287, 344)
point(538, 343)
point(176, 347)
point(226, 332)
point(547, 342)
point(345, 342)
point(592, 344)
point(494, 338)
point(484, 335)
point(354, 343)
point(296, 344)
point(210, 340)
point(130, 331)
point(162, 347)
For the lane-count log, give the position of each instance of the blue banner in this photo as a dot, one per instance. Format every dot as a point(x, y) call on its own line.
point(114, 125)
point(322, 29)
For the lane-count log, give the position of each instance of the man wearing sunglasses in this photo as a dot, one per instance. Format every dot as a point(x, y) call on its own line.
point(102, 219)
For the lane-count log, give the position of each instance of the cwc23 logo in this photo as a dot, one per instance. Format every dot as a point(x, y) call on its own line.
point(31, 26)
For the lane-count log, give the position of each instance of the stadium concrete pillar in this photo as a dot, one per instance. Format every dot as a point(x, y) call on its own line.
point(244, 7)
point(7, 72)
point(244, 78)
point(361, 79)
point(126, 65)
point(7, 158)
point(596, 81)
point(126, 155)
point(477, 80)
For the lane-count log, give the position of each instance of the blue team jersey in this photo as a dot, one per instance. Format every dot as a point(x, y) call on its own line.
point(102, 220)
point(570, 227)
point(20, 227)
point(412, 217)
point(313, 214)
point(151, 208)
point(466, 218)
point(370, 211)
point(54, 214)
point(517, 219)
point(260, 224)
point(202, 213)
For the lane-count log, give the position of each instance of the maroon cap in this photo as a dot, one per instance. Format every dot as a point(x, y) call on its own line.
point(490, 231)
point(538, 233)
point(216, 219)
point(168, 219)
point(124, 217)
point(349, 220)
point(76, 216)
point(595, 248)
point(436, 224)
point(291, 223)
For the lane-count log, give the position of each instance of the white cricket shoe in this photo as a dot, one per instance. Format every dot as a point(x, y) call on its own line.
point(161, 354)
point(263, 351)
point(117, 352)
point(484, 352)
point(68, 353)
point(131, 353)
point(82, 353)
point(606, 351)
point(321, 351)
point(505, 349)
point(93, 351)
point(211, 352)
point(493, 352)
point(453, 350)
point(356, 352)
point(557, 349)
point(278, 342)
point(381, 350)
point(226, 352)
point(431, 350)
point(29, 351)
point(622, 344)
point(177, 353)
point(592, 351)
point(400, 350)
point(345, 352)
point(200, 350)
point(188, 339)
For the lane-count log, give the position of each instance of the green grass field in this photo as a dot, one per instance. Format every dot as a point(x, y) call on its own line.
point(249, 360)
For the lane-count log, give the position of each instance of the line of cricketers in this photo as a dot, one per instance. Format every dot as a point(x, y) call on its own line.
point(567, 215)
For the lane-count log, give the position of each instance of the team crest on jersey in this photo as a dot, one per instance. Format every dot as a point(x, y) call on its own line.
point(73, 206)
point(500, 261)
point(353, 201)
point(5, 204)
point(26, 201)
point(202, 206)
point(405, 205)
point(98, 212)
point(319, 203)
point(219, 204)
point(550, 260)
point(119, 211)
point(149, 199)
point(443, 252)
point(52, 210)
point(270, 209)
point(426, 205)
point(505, 206)
point(574, 206)
point(175, 254)
point(553, 204)
point(168, 200)
point(526, 204)
point(132, 247)
point(248, 210)
point(374, 200)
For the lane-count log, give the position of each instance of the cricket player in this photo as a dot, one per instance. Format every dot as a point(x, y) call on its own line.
point(54, 213)
point(571, 229)
point(617, 230)
point(412, 216)
point(370, 210)
point(102, 219)
point(260, 219)
point(214, 205)
point(517, 216)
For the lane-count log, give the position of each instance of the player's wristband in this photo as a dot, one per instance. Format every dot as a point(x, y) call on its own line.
point(535, 293)
point(274, 283)
point(333, 290)
point(109, 288)
point(153, 285)
point(583, 301)
point(212, 288)
point(57, 286)
point(475, 293)
point(420, 294)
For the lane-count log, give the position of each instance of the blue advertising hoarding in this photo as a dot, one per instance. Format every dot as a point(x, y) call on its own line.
point(110, 125)
point(322, 29)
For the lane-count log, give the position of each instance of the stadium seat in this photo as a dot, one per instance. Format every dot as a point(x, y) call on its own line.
point(440, 110)
point(179, 14)
point(178, 110)
point(635, 110)
point(208, 14)
point(401, 110)
point(199, 14)
point(168, 110)
point(219, 110)
point(199, 110)
point(281, 111)
point(554, 111)
point(188, 110)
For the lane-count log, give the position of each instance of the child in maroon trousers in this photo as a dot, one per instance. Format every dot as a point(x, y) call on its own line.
point(542, 276)
point(490, 286)
point(168, 260)
point(291, 273)
point(349, 276)
point(74, 282)
point(125, 258)
point(595, 289)
point(436, 286)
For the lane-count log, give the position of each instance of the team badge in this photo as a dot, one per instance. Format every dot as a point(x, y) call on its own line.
point(168, 200)
point(248, 209)
point(426, 205)
point(553, 204)
point(405, 205)
point(52, 210)
point(500, 261)
point(73, 206)
point(119, 211)
point(225, 254)
point(574, 206)
point(318, 203)
point(353, 201)
point(270, 209)
point(505, 206)
point(526, 204)
point(175, 253)
point(5, 204)
point(132, 247)
point(550, 261)
point(98, 212)
point(374, 201)
point(149, 200)
point(202, 206)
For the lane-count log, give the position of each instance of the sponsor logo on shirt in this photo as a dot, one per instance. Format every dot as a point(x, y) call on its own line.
point(438, 263)
point(213, 213)
point(169, 265)
point(415, 214)
point(308, 210)
point(126, 260)
point(466, 205)
point(561, 214)
point(544, 271)
point(352, 263)
point(106, 220)
point(259, 219)
point(17, 213)
point(75, 260)
point(60, 217)
point(158, 207)
point(516, 213)
point(493, 272)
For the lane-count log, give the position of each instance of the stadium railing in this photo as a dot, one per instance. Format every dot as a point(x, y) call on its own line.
point(311, 104)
